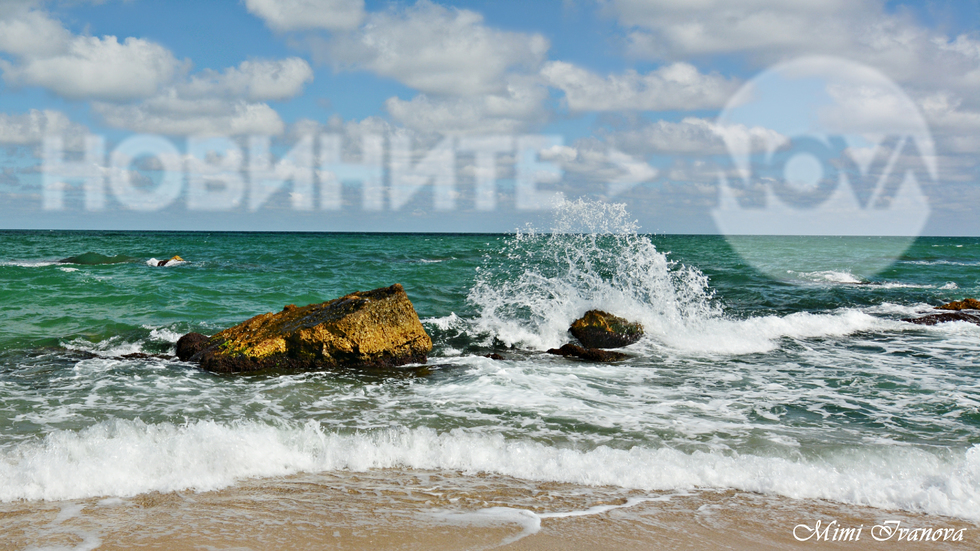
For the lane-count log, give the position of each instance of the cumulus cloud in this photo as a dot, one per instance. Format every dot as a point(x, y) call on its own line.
point(675, 86)
point(435, 50)
point(772, 30)
point(228, 102)
point(692, 136)
point(33, 126)
point(515, 110)
point(80, 67)
point(26, 32)
point(261, 80)
point(293, 15)
point(172, 114)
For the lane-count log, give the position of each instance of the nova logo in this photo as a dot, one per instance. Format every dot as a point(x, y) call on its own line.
point(828, 162)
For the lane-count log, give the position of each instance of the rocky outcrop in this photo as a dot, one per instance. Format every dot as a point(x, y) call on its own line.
point(598, 329)
point(933, 319)
point(965, 304)
point(376, 328)
point(591, 354)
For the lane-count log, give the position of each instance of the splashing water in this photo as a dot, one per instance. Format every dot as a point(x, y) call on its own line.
point(593, 257)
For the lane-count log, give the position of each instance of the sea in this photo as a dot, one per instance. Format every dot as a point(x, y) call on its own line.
point(797, 383)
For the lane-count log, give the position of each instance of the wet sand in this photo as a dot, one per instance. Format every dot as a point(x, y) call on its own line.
point(394, 509)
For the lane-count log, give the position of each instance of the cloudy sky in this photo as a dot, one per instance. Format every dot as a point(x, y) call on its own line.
point(354, 115)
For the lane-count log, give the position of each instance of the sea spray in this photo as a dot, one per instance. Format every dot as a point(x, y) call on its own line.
point(528, 293)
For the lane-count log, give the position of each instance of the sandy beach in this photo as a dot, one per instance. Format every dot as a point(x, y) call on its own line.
point(404, 509)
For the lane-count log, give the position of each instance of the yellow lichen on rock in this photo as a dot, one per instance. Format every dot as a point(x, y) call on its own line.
point(376, 328)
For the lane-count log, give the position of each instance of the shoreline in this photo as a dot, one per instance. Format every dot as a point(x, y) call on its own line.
point(414, 509)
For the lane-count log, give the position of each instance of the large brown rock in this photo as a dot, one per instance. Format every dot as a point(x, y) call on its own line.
point(376, 328)
point(598, 329)
point(965, 304)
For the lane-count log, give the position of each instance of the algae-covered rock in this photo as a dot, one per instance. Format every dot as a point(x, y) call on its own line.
point(965, 304)
point(598, 329)
point(376, 328)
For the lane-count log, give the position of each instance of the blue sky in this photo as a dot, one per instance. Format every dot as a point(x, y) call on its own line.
point(638, 92)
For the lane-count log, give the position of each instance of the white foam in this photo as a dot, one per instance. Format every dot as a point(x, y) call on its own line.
point(125, 458)
point(762, 334)
point(163, 334)
point(29, 263)
point(832, 276)
point(113, 346)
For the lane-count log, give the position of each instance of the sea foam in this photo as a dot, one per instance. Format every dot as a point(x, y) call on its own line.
point(125, 458)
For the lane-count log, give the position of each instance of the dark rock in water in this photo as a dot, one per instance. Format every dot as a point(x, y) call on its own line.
point(933, 319)
point(145, 356)
point(368, 329)
point(190, 344)
point(965, 304)
point(493, 356)
point(94, 259)
point(591, 354)
point(598, 329)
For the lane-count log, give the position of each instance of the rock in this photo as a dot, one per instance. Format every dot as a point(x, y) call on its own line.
point(493, 356)
point(965, 304)
point(172, 260)
point(933, 319)
point(190, 344)
point(598, 329)
point(145, 356)
point(592, 354)
point(376, 328)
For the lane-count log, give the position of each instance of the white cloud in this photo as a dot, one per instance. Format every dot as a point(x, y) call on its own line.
point(515, 110)
point(670, 28)
point(774, 30)
point(292, 15)
point(80, 67)
point(691, 136)
point(173, 115)
point(31, 32)
point(261, 80)
point(228, 102)
point(33, 126)
point(436, 50)
point(675, 86)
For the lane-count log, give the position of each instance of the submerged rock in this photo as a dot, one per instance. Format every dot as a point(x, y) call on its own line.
point(95, 259)
point(598, 329)
point(933, 319)
point(965, 304)
point(190, 344)
point(591, 354)
point(376, 328)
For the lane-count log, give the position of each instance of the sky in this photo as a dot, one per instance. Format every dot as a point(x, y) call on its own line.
point(702, 116)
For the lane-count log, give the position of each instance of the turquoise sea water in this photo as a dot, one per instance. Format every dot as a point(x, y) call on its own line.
point(808, 385)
